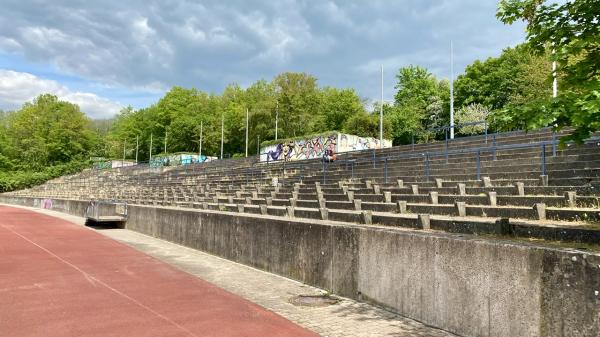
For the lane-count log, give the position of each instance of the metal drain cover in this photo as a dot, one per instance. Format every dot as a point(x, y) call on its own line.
point(313, 300)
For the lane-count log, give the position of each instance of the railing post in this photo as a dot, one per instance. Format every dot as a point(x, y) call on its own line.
point(413, 141)
point(386, 170)
point(427, 165)
point(324, 172)
point(478, 164)
point(494, 147)
point(446, 145)
point(486, 131)
point(373, 158)
point(543, 159)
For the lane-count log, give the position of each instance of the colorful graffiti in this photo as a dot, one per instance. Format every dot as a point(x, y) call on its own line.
point(299, 149)
point(179, 159)
point(348, 143)
point(47, 203)
point(315, 147)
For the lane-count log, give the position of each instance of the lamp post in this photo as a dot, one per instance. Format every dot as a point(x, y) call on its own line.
point(222, 126)
point(247, 118)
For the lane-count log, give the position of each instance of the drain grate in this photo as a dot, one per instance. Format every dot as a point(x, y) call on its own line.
point(313, 300)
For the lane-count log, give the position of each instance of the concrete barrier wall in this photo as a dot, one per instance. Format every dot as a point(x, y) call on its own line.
point(465, 285)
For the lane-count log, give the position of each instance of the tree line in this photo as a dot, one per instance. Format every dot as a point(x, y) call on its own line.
point(510, 91)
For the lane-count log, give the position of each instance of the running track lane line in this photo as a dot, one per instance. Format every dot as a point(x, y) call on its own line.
point(88, 276)
point(53, 238)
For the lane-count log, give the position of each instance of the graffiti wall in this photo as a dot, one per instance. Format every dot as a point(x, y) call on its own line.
point(301, 149)
point(348, 143)
point(179, 159)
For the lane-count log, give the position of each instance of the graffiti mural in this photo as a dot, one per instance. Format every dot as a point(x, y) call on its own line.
point(349, 143)
point(311, 148)
point(299, 149)
point(179, 159)
point(47, 203)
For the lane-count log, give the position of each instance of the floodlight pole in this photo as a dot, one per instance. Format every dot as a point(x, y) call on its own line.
point(166, 135)
point(200, 146)
point(451, 90)
point(381, 112)
point(222, 126)
point(554, 78)
point(137, 147)
point(554, 81)
point(276, 118)
point(247, 118)
point(149, 160)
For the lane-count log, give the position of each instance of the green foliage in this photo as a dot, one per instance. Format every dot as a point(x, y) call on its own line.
point(302, 107)
point(45, 132)
point(367, 125)
point(570, 31)
point(514, 78)
point(421, 102)
point(471, 113)
point(15, 180)
point(298, 97)
point(337, 107)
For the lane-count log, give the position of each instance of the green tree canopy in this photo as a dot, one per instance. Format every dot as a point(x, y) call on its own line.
point(570, 31)
point(46, 132)
point(421, 102)
point(513, 78)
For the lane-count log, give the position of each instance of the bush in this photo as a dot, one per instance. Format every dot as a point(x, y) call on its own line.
point(16, 180)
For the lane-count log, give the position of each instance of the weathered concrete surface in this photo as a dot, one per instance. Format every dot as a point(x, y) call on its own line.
point(469, 286)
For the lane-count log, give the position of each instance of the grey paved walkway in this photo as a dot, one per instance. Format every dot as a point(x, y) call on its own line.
point(346, 318)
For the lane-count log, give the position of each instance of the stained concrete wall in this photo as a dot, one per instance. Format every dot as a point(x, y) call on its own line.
point(468, 286)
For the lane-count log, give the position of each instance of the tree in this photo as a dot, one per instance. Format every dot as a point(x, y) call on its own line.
point(472, 113)
point(421, 102)
point(366, 125)
point(298, 97)
point(336, 107)
point(47, 132)
point(514, 77)
point(570, 31)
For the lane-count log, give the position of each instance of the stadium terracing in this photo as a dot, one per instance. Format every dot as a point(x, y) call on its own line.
point(484, 235)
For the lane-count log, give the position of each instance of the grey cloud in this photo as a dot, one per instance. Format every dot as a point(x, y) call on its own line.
point(208, 44)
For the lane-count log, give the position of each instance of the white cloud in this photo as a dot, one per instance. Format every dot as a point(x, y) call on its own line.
point(156, 44)
point(17, 88)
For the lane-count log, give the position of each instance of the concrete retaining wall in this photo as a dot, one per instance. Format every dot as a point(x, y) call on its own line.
point(468, 286)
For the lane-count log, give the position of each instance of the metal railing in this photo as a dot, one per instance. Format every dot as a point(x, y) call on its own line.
point(428, 155)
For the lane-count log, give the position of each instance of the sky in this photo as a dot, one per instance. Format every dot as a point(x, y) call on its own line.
point(104, 55)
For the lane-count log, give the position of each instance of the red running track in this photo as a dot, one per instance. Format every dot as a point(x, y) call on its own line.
point(61, 279)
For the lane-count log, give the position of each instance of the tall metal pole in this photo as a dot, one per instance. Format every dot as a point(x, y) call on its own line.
point(123, 162)
point(222, 126)
point(554, 81)
point(247, 118)
point(276, 118)
point(166, 135)
point(381, 112)
point(451, 90)
point(137, 148)
point(258, 145)
point(150, 148)
point(200, 148)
